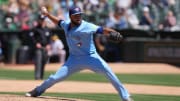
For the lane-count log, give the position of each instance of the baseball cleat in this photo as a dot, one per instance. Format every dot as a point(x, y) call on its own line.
point(32, 93)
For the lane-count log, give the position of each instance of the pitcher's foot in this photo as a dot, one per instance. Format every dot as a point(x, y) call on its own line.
point(32, 93)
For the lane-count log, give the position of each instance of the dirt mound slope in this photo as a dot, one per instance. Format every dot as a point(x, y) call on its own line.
point(42, 98)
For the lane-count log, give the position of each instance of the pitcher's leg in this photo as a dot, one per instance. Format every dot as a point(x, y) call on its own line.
point(117, 84)
point(98, 65)
point(123, 93)
point(60, 75)
point(67, 69)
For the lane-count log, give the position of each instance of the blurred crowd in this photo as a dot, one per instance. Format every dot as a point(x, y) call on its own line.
point(119, 14)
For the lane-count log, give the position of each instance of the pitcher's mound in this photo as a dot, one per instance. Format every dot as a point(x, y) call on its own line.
point(43, 98)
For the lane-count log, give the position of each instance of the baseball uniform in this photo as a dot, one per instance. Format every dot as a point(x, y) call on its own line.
point(82, 55)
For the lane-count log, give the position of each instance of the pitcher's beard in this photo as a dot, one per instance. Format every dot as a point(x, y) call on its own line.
point(76, 23)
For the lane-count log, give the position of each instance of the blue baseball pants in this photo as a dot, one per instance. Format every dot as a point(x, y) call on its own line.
point(76, 63)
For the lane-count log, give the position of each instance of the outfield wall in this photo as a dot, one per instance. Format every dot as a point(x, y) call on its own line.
point(137, 46)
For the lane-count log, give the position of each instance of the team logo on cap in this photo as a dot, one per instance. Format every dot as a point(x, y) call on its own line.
point(74, 10)
point(77, 9)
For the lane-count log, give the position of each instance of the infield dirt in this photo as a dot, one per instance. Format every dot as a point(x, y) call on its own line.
point(89, 87)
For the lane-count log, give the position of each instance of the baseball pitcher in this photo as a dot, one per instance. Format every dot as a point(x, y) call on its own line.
point(82, 52)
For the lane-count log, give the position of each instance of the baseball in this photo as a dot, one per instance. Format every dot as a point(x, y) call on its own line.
point(44, 10)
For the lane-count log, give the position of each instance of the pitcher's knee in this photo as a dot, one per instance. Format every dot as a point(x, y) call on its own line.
point(53, 78)
point(57, 78)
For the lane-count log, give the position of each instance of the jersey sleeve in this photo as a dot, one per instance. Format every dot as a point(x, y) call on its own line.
point(93, 27)
point(61, 24)
point(100, 30)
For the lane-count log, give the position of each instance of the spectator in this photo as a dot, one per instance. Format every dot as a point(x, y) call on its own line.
point(134, 4)
point(78, 3)
point(132, 19)
point(146, 20)
point(102, 11)
point(145, 2)
point(171, 3)
point(9, 23)
point(90, 6)
point(65, 4)
point(169, 23)
point(117, 19)
point(22, 12)
point(103, 7)
point(57, 49)
point(13, 6)
point(123, 4)
point(22, 18)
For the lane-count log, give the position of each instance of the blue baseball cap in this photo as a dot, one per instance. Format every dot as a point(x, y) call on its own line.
point(75, 10)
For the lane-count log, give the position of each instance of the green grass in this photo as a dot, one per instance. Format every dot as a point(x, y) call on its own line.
point(154, 79)
point(16, 74)
point(107, 97)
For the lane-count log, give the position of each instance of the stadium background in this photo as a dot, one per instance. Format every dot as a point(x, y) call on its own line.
point(145, 47)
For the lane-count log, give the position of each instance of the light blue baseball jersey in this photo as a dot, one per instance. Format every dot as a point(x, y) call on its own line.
point(80, 38)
